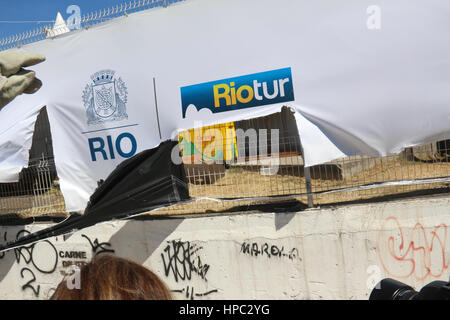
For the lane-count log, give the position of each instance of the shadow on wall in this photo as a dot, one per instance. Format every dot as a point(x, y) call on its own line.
point(283, 218)
point(8, 258)
point(134, 240)
point(150, 234)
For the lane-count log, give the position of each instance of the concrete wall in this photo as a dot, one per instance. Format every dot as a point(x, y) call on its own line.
point(330, 253)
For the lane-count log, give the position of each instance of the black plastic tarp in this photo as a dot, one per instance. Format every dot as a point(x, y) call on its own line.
point(145, 182)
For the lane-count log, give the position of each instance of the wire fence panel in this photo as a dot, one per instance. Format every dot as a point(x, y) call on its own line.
point(247, 164)
point(86, 21)
point(265, 170)
point(37, 192)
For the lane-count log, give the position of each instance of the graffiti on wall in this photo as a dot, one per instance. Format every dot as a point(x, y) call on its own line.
point(255, 249)
point(417, 252)
point(38, 258)
point(47, 258)
point(190, 293)
point(99, 247)
point(182, 261)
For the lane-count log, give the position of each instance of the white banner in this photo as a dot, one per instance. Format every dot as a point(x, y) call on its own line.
point(16, 134)
point(362, 79)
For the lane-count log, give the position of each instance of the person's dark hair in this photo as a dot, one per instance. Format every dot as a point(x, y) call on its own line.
point(109, 277)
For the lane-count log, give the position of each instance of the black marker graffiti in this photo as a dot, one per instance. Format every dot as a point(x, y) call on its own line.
point(190, 292)
point(43, 257)
point(28, 253)
point(28, 284)
point(182, 260)
point(255, 249)
point(101, 247)
point(30, 256)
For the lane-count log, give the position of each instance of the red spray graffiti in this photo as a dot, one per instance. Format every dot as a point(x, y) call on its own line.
point(417, 252)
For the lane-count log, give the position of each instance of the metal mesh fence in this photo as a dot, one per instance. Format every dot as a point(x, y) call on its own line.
point(246, 164)
point(279, 174)
point(86, 21)
point(35, 194)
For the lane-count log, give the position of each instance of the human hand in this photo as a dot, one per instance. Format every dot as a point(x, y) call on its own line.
point(14, 80)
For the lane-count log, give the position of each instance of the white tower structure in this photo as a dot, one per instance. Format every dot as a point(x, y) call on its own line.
point(60, 27)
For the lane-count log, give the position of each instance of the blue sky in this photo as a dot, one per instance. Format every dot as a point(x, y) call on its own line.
point(42, 10)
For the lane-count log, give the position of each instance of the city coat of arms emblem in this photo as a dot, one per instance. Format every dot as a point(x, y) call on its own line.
point(105, 98)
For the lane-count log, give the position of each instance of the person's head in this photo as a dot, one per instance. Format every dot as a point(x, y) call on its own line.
point(108, 277)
